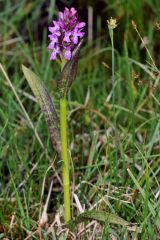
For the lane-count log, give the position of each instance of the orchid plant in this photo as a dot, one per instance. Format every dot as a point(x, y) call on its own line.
point(66, 37)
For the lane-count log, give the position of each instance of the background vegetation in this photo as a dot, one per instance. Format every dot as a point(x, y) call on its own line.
point(115, 151)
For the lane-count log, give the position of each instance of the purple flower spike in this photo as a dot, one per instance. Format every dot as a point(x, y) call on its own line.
point(65, 34)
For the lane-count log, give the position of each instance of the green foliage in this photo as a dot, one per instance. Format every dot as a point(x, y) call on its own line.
point(113, 173)
point(100, 216)
point(68, 73)
point(47, 106)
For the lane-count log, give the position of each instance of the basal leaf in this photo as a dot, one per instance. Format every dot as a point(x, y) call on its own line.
point(102, 216)
point(46, 104)
point(69, 71)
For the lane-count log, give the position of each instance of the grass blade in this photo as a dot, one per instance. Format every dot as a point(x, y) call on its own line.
point(142, 192)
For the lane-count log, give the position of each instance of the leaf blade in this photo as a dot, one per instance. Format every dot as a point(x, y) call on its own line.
point(103, 216)
point(69, 71)
point(46, 105)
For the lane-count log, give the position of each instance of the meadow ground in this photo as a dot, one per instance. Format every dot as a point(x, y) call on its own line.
point(114, 132)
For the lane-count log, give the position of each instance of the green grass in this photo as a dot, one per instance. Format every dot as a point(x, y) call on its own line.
point(118, 173)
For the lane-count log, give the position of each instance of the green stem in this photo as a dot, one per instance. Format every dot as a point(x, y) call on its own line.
point(66, 182)
point(111, 33)
point(113, 65)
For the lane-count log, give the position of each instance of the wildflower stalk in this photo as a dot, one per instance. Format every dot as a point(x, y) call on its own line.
point(64, 36)
point(113, 64)
point(112, 24)
point(64, 151)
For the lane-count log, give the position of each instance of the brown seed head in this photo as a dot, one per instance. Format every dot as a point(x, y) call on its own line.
point(134, 24)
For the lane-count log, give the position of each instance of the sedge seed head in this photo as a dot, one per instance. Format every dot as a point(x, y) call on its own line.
point(112, 23)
